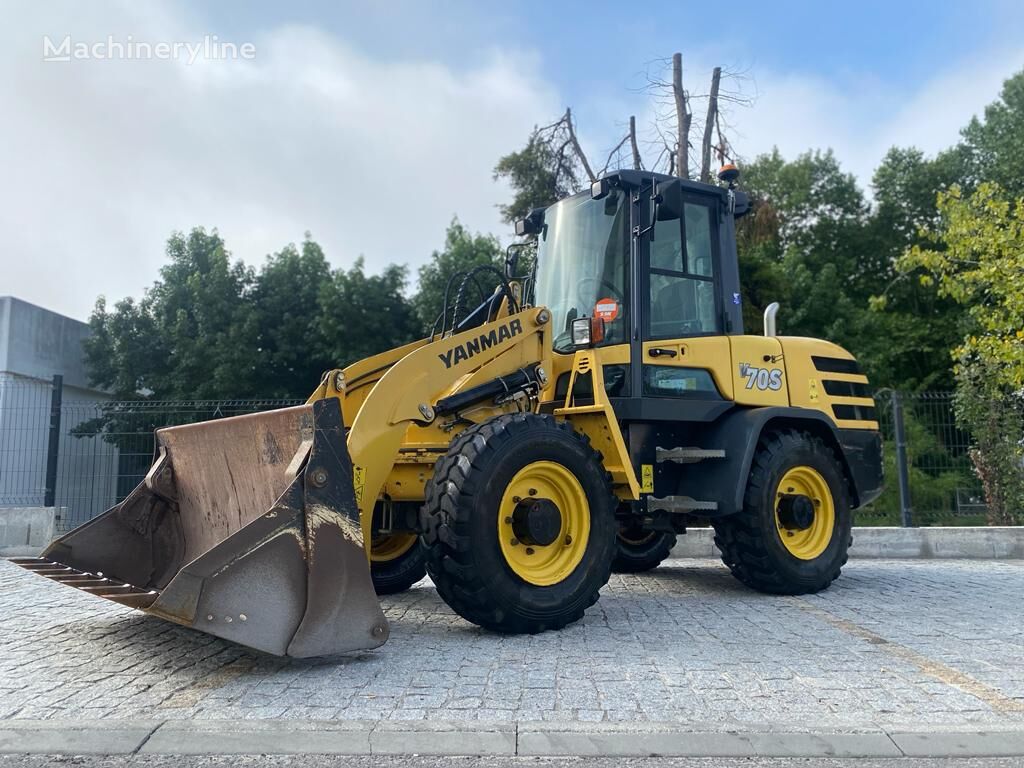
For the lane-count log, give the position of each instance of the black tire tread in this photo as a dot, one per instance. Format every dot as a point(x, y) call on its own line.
point(633, 559)
point(446, 535)
point(738, 536)
point(394, 576)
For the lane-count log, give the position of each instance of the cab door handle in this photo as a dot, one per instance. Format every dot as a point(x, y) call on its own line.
point(661, 352)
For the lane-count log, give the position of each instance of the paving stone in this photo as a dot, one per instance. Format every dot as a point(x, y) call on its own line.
point(891, 643)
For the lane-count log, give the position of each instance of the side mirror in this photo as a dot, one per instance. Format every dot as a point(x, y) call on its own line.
point(511, 262)
point(668, 200)
point(741, 204)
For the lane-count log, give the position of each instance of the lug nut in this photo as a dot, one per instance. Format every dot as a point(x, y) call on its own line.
point(515, 542)
point(508, 521)
point(533, 491)
point(529, 550)
point(568, 539)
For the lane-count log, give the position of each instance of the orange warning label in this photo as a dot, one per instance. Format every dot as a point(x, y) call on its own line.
point(606, 309)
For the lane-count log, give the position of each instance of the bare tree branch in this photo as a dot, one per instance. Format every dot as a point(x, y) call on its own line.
point(608, 162)
point(709, 124)
point(576, 146)
point(637, 164)
point(683, 117)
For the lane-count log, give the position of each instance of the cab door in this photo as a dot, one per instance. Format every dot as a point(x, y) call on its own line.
point(685, 353)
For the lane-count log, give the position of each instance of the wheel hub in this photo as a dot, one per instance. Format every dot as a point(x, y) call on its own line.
point(543, 523)
point(805, 512)
point(536, 521)
point(796, 512)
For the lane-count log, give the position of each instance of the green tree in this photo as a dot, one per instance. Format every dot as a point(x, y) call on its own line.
point(365, 314)
point(540, 174)
point(802, 245)
point(975, 256)
point(463, 250)
point(192, 336)
point(213, 329)
point(291, 337)
point(994, 146)
point(913, 326)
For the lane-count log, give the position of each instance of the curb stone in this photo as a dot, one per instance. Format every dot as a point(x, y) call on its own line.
point(533, 739)
point(870, 542)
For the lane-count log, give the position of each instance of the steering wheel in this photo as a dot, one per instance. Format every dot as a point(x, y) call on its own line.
point(585, 300)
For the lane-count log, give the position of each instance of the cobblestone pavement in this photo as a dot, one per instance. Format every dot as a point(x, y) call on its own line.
point(891, 643)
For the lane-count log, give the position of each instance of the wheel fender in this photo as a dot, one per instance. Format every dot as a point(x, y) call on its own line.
point(738, 433)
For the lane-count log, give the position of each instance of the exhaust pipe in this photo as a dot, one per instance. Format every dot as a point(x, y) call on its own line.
point(769, 318)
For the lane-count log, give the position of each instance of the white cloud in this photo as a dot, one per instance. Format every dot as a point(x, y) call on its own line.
point(103, 159)
point(373, 153)
point(862, 119)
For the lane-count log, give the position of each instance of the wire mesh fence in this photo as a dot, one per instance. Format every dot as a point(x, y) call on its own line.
point(103, 447)
point(85, 456)
point(941, 486)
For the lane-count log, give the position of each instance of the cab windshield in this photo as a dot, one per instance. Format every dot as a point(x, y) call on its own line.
point(581, 265)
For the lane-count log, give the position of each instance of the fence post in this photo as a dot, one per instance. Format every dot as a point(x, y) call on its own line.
point(53, 446)
point(902, 469)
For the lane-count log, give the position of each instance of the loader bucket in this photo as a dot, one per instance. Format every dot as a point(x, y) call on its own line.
point(245, 528)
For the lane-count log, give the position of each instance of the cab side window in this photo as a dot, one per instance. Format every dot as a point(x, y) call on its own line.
point(682, 287)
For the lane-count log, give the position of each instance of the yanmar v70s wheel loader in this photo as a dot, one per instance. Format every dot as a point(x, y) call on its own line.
point(575, 421)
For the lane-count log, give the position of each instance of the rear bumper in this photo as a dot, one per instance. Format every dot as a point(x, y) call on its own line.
point(862, 451)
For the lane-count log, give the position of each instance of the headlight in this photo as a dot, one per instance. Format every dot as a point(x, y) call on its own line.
point(587, 331)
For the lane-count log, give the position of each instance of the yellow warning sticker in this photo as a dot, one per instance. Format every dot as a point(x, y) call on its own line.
point(646, 478)
point(358, 481)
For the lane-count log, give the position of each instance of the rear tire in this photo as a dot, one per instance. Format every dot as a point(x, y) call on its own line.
point(479, 564)
point(400, 572)
point(638, 550)
point(761, 545)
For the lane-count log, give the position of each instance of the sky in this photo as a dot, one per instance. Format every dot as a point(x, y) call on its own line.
point(372, 125)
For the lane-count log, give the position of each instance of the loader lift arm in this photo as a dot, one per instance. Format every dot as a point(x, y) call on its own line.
point(409, 389)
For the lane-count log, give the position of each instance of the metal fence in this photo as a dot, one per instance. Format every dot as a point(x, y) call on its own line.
point(929, 476)
point(85, 456)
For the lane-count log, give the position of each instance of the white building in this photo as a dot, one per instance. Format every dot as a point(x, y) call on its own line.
point(35, 345)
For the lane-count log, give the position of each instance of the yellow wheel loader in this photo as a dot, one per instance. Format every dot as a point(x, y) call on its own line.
point(576, 421)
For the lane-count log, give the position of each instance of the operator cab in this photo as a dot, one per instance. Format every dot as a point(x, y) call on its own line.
point(649, 268)
point(654, 258)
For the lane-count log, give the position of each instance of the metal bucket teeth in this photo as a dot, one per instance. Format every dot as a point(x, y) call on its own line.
point(93, 583)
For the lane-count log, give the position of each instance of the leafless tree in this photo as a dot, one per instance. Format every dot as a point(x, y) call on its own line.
point(637, 162)
point(675, 117)
point(668, 140)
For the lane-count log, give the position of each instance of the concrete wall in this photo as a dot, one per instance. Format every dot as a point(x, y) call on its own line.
point(36, 344)
point(25, 531)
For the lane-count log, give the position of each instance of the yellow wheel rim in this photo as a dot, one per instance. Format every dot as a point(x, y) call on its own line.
point(390, 546)
point(812, 541)
point(544, 565)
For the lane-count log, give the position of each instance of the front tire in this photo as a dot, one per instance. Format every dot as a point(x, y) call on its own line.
point(794, 531)
point(519, 524)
